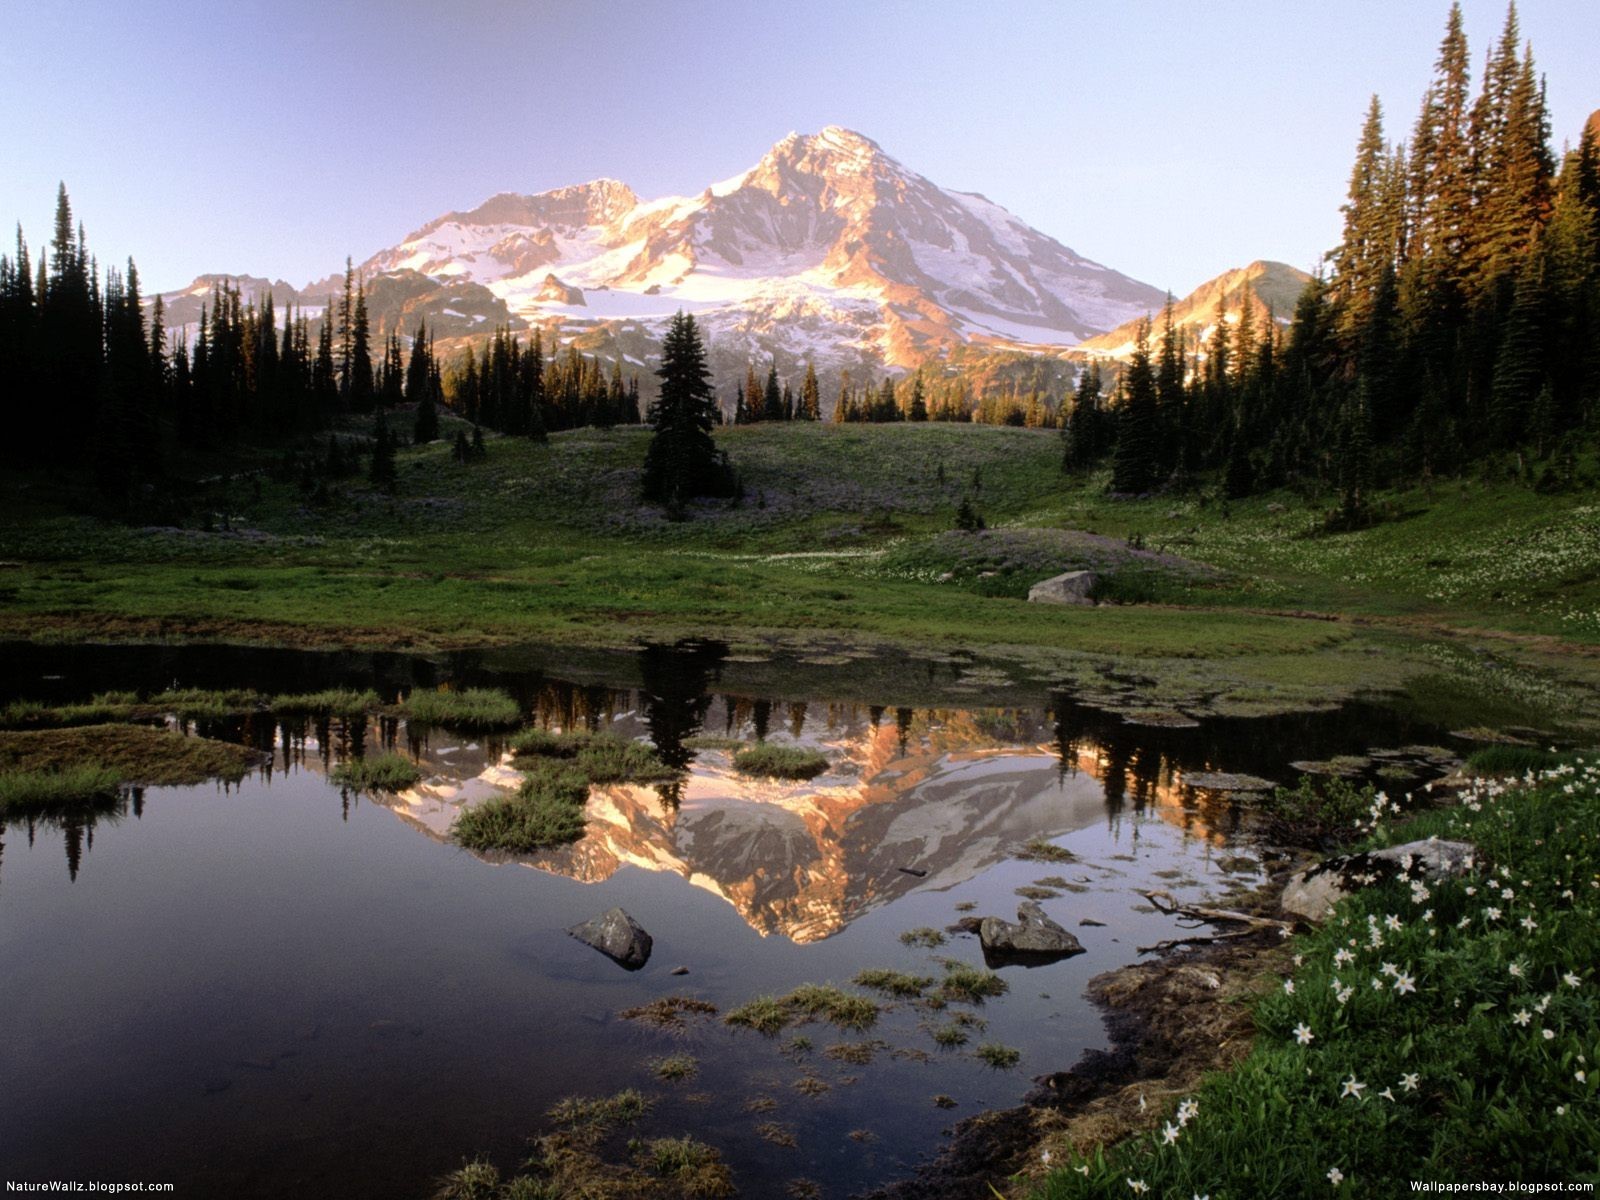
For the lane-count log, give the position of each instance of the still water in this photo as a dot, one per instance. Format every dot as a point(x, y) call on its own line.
point(280, 989)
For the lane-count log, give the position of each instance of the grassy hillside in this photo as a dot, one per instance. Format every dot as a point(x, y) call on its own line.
point(846, 530)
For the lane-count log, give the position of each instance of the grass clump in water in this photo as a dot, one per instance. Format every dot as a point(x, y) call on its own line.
point(670, 1012)
point(470, 708)
point(602, 1112)
point(137, 753)
point(1001, 1058)
point(380, 773)
point(37, 791)
point(695, 1168)
point(1044, 850)
point(547, 810)
point(476, 1180)
point(857, 1054)
point(330, 702)
point(607, 758)
point(893, 983)
point(708, 741)
point(200, 704)
point(674, 1067)
point(927, 936)
point(545, 743)
point(777, 1134)
point(764, 1014)
point(833, 1005)
point(963, 984)
point(780, 762)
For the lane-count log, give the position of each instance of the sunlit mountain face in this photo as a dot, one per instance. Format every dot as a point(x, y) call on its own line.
point(827, 251)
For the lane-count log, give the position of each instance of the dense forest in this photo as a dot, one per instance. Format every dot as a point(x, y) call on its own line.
point(129, 399)
point(1459, 318)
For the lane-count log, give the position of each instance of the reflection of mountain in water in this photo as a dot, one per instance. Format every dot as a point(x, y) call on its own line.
point(948, 792)
point(939, 794)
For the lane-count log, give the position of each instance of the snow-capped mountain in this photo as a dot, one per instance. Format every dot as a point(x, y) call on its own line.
point(1269, 288)
point(827, 249)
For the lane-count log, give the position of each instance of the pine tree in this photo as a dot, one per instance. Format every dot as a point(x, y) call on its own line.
point(754, 408)
point(919, 404)
point(771, 397)
point(422, 389)
point(346, 330)
point(1355, 464)
point(810, 396)
point(1134, 465)
point(1366, 246)
point(1171, 398)
point(682, 461)
point(361, 395)
point(1519, 365)
point(1441, 162)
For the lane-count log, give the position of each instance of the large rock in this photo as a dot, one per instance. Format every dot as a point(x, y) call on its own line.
point(1035, 938)
point(1312, 893)
point(1072, 588)
point(618, 936)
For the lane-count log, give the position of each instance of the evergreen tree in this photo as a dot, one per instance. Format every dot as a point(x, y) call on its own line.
point(360, 391)
point(1367, 244)
point(422, 388)
point(771, 397)
point(919, 404)
point(1134, 465)
point(1354, 464)
point(1441, 162)
point(810, 396)
point(1518, 366)
point(682, 461)
point(1176, 454)
point(754, 407)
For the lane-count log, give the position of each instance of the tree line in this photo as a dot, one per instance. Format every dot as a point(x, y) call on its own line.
point(1458, 318)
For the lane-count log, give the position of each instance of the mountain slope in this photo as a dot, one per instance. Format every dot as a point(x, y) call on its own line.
point(1270, 288)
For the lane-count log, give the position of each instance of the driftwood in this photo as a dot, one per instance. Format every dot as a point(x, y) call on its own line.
point(1209, 940)
point(1166, 902)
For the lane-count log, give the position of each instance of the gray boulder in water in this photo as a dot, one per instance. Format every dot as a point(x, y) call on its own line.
point(1034, 938)
point(618, 936)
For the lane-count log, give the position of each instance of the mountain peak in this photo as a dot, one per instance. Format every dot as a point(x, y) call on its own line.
point(1269, 288)
point(827, 247)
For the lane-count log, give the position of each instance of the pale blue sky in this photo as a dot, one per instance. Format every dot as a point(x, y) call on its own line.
point(1170, 141)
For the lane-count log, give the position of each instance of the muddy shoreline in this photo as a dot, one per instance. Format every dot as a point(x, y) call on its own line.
point(1172, 1021)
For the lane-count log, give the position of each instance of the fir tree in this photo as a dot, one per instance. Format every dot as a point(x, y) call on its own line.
point(771, 397)
point(919, 404)
point(810, 396)
point(1134, 466)
point(682, 462)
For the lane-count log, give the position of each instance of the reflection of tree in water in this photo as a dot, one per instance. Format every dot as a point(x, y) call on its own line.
point(675, 696)
point(77, 822)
